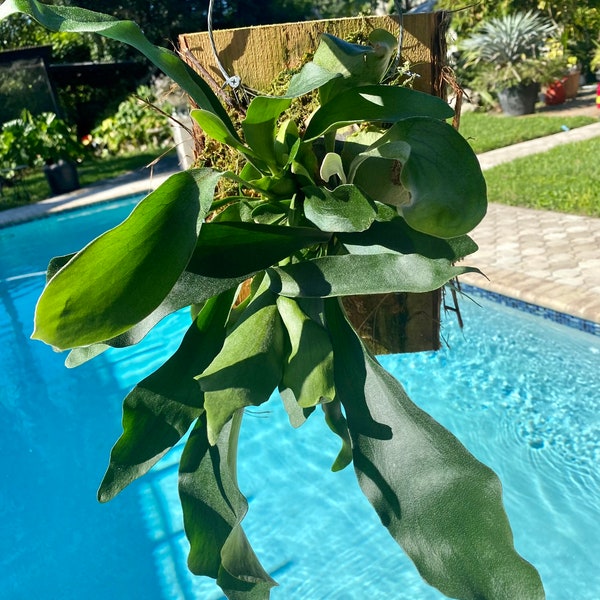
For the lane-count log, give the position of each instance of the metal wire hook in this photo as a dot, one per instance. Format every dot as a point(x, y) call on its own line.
point(400, 34)
point(396, 62)
point(233, 81)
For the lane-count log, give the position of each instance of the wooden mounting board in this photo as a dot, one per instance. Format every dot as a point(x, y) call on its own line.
point(259, 54)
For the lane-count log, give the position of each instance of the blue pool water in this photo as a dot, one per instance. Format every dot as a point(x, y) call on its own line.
point(521, 393)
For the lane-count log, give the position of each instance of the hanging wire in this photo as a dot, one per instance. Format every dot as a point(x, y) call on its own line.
point(400, 36)
point(394, 66)
point(232, 81)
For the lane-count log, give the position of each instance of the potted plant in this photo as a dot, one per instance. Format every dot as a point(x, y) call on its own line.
point(509, 57)
point(44, 141)
point(566, 86)
point(61, 152)
point(312, 218)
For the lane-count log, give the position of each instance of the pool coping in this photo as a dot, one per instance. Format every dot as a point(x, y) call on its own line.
point(128, 185)
point(549, 314)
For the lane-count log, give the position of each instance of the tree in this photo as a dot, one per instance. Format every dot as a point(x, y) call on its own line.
point(163, 20)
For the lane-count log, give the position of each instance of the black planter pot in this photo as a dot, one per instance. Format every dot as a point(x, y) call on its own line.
point(61, 177)
point(519, 99)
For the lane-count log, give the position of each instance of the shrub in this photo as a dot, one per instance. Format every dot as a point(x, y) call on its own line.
point(136, 126)
point(37, 140)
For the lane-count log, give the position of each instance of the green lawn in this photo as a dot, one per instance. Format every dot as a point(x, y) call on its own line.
point(90, 171)
point(485, 131)
point(564, 179)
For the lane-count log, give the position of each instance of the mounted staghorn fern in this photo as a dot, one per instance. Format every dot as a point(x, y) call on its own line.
point(387, 210)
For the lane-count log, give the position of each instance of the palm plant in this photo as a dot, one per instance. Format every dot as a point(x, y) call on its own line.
point(511, 50)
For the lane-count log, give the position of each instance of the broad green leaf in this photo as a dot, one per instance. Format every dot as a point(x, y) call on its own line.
point(80, 20)
point(363, 274)
point(392, 151)
point(259, 125)
point(344, 209)
point(287, 142)
point(305, 164)
point(439, 503)
point(249, 366)
point(310, 78)
point(374, 103)
point(271, 213)
point(213, 126)
point(359, 65)
point(162, 407)
point(279, 186)
point(359, 141)
point(234, 249)
point(239, 210)
point(123, 276)
point(336, 421)
point(188, 290)
point(308, 371)
point(247, 173)
point(447, 191)
point(396, 236)
point(339, 56)
point(213, 508)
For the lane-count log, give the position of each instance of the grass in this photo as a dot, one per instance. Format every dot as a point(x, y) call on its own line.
point(485, 131)
point(564, 179)
point(91, 171)
point(108, 168)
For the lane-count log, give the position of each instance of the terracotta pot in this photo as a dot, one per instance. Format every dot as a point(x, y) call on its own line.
point(571, 84)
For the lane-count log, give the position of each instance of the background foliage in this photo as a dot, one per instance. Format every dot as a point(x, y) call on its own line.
point(162, 21)
point(36, 140)
point(135, 126)
point(579, 21)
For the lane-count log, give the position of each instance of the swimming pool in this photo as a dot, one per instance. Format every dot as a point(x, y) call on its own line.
point(521, 393)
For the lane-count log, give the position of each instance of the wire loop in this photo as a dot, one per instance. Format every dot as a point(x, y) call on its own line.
point(233, 81)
